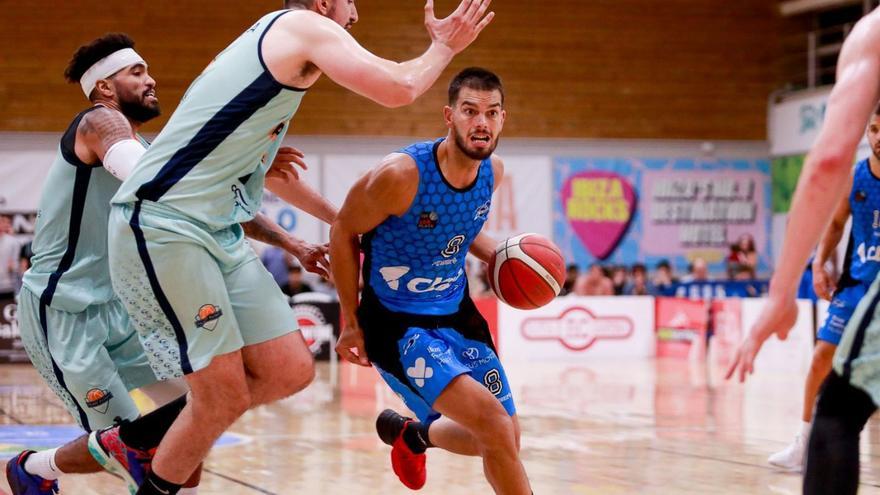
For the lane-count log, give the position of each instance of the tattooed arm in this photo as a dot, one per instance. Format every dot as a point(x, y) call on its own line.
point(104, 135)
point(313, 257)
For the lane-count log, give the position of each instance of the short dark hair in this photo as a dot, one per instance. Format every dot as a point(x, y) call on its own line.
point(86, 55)
point(664, 264)
point(307, 4)
point(639, 268)
point(474, 78)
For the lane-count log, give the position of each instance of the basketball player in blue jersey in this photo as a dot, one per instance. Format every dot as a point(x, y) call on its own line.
point(861, 266)
point(204, 306)
point(851, 393)
point(420, 212)
point(76, 332)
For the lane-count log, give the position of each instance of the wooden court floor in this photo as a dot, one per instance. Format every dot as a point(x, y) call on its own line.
point(606, 427)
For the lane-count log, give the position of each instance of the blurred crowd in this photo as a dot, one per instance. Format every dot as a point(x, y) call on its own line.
point(596, 280)
point(635, 280)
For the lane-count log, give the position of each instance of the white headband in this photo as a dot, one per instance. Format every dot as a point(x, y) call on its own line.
point(107, 66)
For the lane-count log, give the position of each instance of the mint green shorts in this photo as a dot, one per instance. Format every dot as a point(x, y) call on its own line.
point(192, 293)
point(90, 359)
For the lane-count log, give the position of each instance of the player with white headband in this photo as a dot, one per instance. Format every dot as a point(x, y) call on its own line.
point(74, 328)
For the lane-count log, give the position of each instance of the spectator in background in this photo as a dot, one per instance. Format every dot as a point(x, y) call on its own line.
point(277, 262)
point(742, 262)
point(619, 279)
point(9, 255)
point(295, 284)
point(571, 275)
point(664, 281)
point(639, 285)
point(699, 272)
point(24, 262)
point(594, 283)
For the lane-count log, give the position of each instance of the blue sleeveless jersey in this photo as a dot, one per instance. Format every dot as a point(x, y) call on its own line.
point(863, 253)
point(415, 263)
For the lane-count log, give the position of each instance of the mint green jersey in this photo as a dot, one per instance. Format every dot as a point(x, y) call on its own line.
point(70, 270)
point(210, 160)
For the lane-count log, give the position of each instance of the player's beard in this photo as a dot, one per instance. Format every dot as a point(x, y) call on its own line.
point(876, 151)
point(462, 143)
point(138, 110)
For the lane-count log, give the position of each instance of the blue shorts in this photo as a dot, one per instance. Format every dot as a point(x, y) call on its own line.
point(418, 356)
point(842, 307)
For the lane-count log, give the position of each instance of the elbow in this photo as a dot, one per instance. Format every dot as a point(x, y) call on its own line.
point(403, 94)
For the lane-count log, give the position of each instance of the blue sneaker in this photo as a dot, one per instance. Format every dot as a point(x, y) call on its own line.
point(116, 457)
point(23, 483)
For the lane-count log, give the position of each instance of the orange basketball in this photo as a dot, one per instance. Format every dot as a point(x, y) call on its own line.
point(527, 271)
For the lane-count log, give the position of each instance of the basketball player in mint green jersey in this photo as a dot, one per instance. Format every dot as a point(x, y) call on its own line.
point(203, 306)
point(419, 213)
point(75, 330)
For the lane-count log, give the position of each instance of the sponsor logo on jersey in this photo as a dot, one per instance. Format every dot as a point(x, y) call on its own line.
point(208, 316)
point(428, 220)
point(453, 246)
point(418, 285)
point(860, 196)
point(483, 211)
point(868, 253)
point(99, 399)
point(577, 328)
point(276, 132)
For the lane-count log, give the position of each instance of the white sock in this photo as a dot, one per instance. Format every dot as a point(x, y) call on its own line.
point(188, 491)
point(805, 429)
point(42, 464)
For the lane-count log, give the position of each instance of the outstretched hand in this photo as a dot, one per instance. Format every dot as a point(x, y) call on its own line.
point(778, 316)
point(460, 28)
point(352, 337)
point(283, 165)
point(313, 258)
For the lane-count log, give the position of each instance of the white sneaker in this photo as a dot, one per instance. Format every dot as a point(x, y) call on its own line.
point(792, 457)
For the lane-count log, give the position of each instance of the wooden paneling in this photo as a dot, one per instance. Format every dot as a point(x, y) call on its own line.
point(694, 69)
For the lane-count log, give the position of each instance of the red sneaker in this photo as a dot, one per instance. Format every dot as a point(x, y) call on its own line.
point(408, 466)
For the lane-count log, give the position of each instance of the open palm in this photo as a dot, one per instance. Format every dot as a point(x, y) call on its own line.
point(460, 28)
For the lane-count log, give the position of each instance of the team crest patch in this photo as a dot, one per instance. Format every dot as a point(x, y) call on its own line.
point(428, 220)
point(483, 211)
point(99, 399)
point(208, 316)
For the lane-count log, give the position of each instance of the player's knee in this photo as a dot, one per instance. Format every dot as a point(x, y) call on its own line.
point(495, 430)
point(297, 378)
point(223, 401)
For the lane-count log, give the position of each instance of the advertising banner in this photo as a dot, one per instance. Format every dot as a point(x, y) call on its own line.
point(579, 328)
point(628, 210)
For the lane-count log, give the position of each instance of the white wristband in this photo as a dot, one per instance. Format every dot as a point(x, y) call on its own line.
point(122, 157)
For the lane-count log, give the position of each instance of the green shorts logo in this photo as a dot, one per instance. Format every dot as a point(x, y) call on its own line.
point(99, 399)
point(208, 316)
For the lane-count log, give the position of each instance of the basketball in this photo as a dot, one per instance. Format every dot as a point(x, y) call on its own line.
point(527, 271)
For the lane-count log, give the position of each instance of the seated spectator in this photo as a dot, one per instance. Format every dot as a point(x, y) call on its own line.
point(571, 275)
point(9, 254)
point(594, 283)
point(639, 285)
point(699, 271)
point(24, 263)
point(664, 280)
point(742, 262)
point(619, 279)
point(277, 262)
point(295, 284)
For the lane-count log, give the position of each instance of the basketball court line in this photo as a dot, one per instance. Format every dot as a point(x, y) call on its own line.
point(10, 416)
point(738, 463)
point(236, 481)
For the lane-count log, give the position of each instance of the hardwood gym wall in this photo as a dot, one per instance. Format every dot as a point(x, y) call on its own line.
point(645, 69)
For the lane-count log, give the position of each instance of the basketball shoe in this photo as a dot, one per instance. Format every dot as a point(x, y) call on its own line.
point(791, 458)
point(408, 465)
point(116, 457)
point(23, 483)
